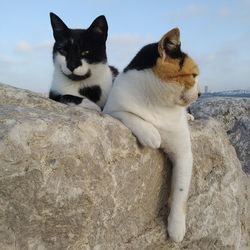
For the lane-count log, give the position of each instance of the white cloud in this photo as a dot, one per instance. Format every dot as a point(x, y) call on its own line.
point(194, 10)
point(23, 46)
point(28, 66)
point(26, 47)
point(188, 12)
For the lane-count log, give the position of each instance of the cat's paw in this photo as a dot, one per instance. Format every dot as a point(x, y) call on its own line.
point(176, 226)
point(190, 117)
point(86, 103)
point(149, 136)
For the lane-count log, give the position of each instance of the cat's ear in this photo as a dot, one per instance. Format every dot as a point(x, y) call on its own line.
point(169, 43)
point(100, 27)
point(60, 29)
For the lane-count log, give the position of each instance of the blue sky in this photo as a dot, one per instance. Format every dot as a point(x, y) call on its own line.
point(215, 33)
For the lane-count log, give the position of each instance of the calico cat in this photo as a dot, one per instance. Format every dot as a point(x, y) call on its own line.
point(150, 97)
point(81, 73)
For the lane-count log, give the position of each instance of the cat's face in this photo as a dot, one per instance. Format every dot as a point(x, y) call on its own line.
point(175, 67)
point(76, 49)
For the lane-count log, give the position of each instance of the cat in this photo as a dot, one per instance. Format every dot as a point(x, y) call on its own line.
point(150, 97)
point(81, 73)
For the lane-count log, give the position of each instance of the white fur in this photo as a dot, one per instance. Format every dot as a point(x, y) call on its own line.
point(155, 111)
point(82, 70)
point(100, 75)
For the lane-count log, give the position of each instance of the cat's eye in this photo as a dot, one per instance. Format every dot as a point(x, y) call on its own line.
point(194, 75)
point(62, 51)
point(84, 53)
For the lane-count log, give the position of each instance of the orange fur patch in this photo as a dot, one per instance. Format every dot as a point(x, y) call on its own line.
point(168, 69)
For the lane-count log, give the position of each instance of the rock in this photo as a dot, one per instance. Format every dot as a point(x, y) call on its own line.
point(234, 114)
point(76, 179)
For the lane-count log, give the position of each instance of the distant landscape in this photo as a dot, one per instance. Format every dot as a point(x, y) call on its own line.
point(229, 93)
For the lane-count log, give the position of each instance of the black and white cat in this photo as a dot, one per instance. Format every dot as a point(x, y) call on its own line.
point(81, 73)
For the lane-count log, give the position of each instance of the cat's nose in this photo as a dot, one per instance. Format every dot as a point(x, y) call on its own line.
point(199, 94)
point(72, 66)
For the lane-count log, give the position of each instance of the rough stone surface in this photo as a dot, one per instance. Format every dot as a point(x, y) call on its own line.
point(234, 114)
point(75, 179)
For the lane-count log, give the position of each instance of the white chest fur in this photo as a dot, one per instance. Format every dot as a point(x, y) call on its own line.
point(100, 75)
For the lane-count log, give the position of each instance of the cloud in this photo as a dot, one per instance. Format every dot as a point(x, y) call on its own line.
point(193, 10)
point(26, 47)
point(188, 12)
point(28, 66)
point(23, 46)
point(238, 12)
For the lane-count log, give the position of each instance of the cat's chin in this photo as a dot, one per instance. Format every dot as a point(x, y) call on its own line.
point(185, 101)
point(74, 77)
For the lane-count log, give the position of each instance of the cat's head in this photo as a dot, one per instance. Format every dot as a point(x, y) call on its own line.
point(175, 67)
point(75, 49)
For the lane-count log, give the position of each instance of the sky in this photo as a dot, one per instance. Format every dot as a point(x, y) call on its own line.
point(216, 34)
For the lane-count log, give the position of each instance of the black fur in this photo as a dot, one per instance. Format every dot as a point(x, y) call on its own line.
point(114, 71)
point(148, 55)
point(145, 58)
point(92, 93)
point(66, 99)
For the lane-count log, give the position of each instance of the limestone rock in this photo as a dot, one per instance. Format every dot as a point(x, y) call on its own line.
point(76, 179)
point(234, 114)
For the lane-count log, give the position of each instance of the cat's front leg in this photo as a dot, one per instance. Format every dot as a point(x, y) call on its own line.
point(79, 102)
point(179, 151)
point(145, 132)
point(182, 171)
point(86, 103)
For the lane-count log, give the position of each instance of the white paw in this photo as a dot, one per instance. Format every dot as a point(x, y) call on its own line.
point(176, 226)
point(190, 117)
point(86, 103)
point(149, 137)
